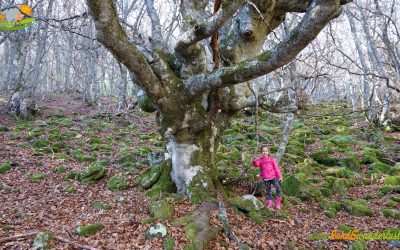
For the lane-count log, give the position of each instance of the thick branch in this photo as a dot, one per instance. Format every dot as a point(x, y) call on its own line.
point(111, 35)
point(318, 15)
point(206, 29)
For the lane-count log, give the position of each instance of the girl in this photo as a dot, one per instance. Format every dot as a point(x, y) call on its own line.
point(271, 175)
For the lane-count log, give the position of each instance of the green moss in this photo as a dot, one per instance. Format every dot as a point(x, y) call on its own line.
point(59, 170)
point(4, 167)
point(340, 186)
point(148, 220)
point(358, 245)
point(37, 177)
point(92, 174)
point(164, 183)
point(4, 128)
point(393, 213)
point(70, 190)
point(256, 217)
point(169, 243)
point(101, 206)
point(43, 240)
point(331, 208)
point(392, 180)
point(351, 163)
point(323, 158)
point(391, 203)
point(345, 228)
point(297, 185)
point(183, 220)
point(149, 177)
point(385, 168)
point(161, 210)
point(358, 207)
point(85, 158)
point(89, 229)
point(41, 143)
point(118, 182)
point(146, 105)
point(265, 56)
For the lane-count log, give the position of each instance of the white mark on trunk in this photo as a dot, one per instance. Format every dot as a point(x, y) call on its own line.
point(182, 171)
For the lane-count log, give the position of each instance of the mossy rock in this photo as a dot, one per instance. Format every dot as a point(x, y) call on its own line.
point(392, 180)
point(42, 241)
point(331, 208)
point(89, 229)
point(92, 174)
point(169, 243)
point(357, 207)
point(298, 185)
point(392, 213)
point(118, 182)
point(149, 178)
point(199, 235)
point(41, 143)
point(161, 210)
point(340, 186)
point(5, 167)
point(246, 203)
point(322, 157)
point(37, 177)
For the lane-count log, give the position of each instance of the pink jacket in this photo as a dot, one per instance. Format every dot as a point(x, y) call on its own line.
point(268, 167)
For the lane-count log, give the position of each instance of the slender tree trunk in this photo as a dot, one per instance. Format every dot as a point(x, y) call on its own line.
point(122, 88)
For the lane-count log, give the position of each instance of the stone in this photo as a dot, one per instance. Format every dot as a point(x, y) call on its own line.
point(42, 241)
point(159, 231)
point(118, 182)
point(149, 178)
point(92, 174)
point(297, 185)
point(246, 203)
point(161, 210)
point(358, 207)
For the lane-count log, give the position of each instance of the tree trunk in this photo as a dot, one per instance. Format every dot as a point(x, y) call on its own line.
point(191, 145)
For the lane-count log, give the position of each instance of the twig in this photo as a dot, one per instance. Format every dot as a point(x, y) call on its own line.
point(9, 238)
point(35, 232)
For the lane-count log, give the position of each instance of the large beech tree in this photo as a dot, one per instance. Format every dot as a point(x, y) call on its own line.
point(182, 89)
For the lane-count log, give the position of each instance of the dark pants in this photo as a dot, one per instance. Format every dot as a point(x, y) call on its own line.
point(268, 184)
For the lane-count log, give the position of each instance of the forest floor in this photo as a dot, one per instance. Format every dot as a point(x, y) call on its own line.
point(68, 136)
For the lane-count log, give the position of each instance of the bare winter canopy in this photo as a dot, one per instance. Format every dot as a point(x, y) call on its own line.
point(184, 90)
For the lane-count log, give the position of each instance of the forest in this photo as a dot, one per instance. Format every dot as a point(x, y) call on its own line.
point(198, 124)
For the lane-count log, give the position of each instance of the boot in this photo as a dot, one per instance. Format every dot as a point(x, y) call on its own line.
point(278, 202)
point(269, 204)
